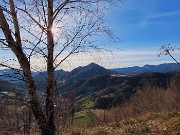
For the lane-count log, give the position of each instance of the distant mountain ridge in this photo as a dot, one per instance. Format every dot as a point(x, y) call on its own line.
point(76, 74)
point(12, 75)
point(162, 68)
point(89, 71)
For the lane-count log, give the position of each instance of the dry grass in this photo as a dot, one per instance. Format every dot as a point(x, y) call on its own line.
point(148, 100)
point(151, 123)
point(167, 123)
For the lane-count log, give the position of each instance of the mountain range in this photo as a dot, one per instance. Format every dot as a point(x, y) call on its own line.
point(64, 78)
point(89, 71)
point(162, 68)
point(94, 82)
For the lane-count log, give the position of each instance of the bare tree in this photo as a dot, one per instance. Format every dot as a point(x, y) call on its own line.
point(51, 31)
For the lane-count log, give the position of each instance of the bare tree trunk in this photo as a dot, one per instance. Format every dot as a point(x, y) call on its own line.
point(50, 73)
point(24, 63)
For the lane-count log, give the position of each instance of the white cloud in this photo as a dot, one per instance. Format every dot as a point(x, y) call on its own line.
point(115, 59)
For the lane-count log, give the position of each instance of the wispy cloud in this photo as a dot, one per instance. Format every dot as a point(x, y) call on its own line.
point(164, 14)
point(116, 59)
point(146, 19)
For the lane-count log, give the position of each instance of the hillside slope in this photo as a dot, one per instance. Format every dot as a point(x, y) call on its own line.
point(113, 89)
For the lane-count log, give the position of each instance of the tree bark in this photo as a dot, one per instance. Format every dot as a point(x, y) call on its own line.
point(25, 65)
point(50, 73)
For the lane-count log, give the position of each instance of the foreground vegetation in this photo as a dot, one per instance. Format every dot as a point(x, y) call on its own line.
point(152, 110)
point(151, 123)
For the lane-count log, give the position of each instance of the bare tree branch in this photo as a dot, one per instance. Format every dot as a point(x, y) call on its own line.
point(40, 26)
point(15, 22)
point(59, 8)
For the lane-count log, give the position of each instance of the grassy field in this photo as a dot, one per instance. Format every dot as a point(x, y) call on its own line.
point(86, 116)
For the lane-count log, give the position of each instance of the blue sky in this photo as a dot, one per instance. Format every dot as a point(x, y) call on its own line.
point(147, 21)
point(143, 26)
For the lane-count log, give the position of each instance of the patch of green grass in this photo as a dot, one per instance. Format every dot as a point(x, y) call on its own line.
point(80, 113)
point(109, 95)
point(89, 104)
point(96, 111)
point(82, 120)
point(83, 117)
